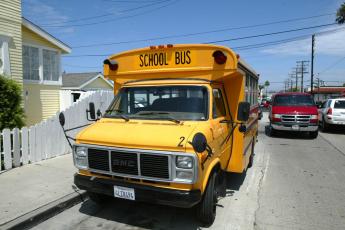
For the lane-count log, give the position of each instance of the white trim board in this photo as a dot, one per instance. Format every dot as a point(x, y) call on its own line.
point(29, 25)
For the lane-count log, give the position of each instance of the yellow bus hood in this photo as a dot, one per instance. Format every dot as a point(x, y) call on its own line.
point(155, 135)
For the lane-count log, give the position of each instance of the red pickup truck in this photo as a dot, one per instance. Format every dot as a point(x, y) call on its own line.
point(293, 112)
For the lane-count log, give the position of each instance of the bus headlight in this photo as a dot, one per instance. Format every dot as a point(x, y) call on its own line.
point(184, 162)
point(80, 159)
point(185, 175)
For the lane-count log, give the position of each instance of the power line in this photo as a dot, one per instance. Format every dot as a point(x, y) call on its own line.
point(86, 67)
point(105, 15)
point(200, 33)
point(119, 1)
point(109, 20)
point(282, 41)
point(272, 33)
point(246, 47)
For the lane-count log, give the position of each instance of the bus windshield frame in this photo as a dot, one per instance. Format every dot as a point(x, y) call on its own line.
point(163, 102)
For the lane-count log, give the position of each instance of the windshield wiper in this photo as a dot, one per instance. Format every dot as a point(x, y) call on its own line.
point(124, 117)
point(159, 113)
point(153, 113)
point(114, 110)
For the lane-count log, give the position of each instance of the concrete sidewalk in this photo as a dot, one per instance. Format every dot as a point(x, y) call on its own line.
point(32, 189)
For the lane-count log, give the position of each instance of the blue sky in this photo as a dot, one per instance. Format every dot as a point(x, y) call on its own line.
point(93, 22)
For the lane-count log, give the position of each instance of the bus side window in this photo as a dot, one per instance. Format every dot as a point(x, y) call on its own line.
point(218, 104)
point(251, 91)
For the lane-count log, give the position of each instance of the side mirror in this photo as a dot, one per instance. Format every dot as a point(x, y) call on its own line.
point(199, 143)
point(62, 119)
point(91, 111)
point(243, 111)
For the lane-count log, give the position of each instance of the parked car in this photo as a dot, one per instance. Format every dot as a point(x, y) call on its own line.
point(293, 112)
point(332, 112)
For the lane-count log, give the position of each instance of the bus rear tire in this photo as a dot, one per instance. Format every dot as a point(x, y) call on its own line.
point(206, 210)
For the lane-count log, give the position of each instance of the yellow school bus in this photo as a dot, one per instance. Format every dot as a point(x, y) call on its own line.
point(182, 116)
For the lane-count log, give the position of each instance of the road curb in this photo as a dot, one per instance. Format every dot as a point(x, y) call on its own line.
point(45, 212)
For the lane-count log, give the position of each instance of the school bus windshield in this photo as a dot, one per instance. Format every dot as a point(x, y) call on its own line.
point(160, 103)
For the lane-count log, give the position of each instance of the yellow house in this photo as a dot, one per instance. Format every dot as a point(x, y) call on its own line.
point(32, 57)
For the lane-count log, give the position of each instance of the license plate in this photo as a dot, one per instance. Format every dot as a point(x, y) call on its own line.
point(124, 193)
point(295, 127)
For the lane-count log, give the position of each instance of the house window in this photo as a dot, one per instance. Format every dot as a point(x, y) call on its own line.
point(31, 63)
point(41, 64)
point(50, 65)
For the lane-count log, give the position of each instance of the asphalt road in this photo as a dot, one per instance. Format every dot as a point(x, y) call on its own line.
point(295, 183)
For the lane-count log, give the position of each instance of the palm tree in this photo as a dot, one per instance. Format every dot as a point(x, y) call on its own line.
point(341, 14)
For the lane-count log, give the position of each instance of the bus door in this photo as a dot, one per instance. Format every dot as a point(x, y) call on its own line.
point(221, 125)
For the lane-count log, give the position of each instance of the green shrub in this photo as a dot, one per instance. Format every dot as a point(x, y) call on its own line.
point(11, 111)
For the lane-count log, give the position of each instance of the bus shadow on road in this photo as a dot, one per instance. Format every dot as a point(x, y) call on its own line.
point(128, 214)
point(124, 214)
point(233, 182)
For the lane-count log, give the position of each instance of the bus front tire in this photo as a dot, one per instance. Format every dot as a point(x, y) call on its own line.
point(97, 198)
point(206, 210)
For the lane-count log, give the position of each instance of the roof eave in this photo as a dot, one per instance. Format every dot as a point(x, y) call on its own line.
point(36, 29)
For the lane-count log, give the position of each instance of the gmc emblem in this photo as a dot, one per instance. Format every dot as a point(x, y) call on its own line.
point(124, 163)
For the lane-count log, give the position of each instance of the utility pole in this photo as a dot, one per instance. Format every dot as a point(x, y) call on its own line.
point(312, 65)
point(318, 89)
point(291, 85)
point(291, 76)
point(302, 69)
point(296, 75)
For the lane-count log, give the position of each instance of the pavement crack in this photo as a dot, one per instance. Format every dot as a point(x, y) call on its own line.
point(262, 172)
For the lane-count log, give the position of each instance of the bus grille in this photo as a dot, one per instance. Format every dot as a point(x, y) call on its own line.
point(129, 163)
point(98, 159)
point(154, 166)
point(125, 163)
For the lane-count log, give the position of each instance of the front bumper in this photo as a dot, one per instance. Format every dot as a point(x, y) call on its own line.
point(145, 193)
point(285, 127)
point(335, 122)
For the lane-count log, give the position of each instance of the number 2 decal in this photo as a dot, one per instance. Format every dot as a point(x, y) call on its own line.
point(180, 143)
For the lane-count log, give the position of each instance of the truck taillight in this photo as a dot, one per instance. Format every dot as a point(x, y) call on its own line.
point(329, 111)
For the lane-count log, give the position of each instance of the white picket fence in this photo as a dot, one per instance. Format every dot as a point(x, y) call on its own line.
point(46, 139)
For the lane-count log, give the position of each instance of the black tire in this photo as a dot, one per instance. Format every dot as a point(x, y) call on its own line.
point(206, 210)
point(97, 198)
point(251, 158)
point(313, 134)
point(271, 131)
point(324, 125)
